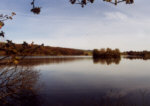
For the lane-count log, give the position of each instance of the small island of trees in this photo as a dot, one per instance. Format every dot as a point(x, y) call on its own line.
point(106, 53)
point(116, 54)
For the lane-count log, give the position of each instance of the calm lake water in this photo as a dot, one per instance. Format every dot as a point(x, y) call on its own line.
point(82, 81)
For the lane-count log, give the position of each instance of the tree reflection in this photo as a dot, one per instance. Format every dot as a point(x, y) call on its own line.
point(116, 97)
point(41, 61)
point(17, 86)
point(137, 97)
point(136, 57)
point(107, 61)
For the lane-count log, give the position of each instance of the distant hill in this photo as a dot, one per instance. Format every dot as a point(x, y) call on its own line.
point(51, 51)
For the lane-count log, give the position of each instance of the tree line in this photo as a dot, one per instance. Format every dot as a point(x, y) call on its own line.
point(137, 54)
point(32, 49)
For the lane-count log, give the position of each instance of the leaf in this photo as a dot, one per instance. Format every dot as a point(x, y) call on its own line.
point(10, 17)
point(15, 62)
point(13, 13)
point(2, 34)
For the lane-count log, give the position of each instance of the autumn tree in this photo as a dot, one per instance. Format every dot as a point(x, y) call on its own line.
point(37, 9)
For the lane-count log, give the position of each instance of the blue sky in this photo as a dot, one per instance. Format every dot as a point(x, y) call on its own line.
point(98, 25)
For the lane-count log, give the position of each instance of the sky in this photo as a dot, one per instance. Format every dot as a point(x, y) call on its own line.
point(97, 25)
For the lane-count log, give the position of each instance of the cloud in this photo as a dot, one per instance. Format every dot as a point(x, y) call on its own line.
point(116, 16)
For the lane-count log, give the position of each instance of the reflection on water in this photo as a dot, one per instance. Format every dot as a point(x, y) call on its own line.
point(51, 60)
point(107, 61)
point(75, 81)
point(136, 57)
point(17, 86)
point(41, 60)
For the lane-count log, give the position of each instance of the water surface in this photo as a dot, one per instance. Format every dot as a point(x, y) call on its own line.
point(82, 81)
